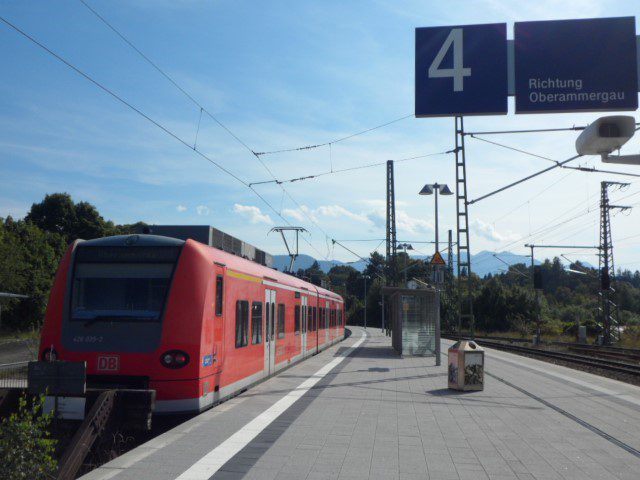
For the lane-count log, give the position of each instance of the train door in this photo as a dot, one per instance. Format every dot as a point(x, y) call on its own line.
point(270, 338)
point(303, 327)
point(327, 313)
point(217, 356)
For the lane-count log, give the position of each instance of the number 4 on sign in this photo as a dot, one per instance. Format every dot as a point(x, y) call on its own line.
point(458, 72)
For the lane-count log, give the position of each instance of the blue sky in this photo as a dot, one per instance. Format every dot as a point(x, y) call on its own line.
point(279, 75)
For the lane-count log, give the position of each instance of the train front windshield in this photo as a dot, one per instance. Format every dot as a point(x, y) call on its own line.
point(117, 297)
point(119, 291)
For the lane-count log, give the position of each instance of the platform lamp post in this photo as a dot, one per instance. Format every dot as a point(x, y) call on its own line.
point(405, 247)
point(431, 189)
point(366, 277)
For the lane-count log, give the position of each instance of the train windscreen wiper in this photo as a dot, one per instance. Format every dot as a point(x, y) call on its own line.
point(118, 318)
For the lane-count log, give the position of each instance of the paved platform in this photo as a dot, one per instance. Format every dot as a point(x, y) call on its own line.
point(375, 415)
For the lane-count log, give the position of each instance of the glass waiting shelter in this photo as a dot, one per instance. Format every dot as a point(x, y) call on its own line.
point(415, 321)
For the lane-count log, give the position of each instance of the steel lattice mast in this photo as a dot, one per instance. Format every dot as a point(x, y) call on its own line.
point(608, 309)
point(391, 226)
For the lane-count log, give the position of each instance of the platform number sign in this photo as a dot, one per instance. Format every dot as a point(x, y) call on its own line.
point(458, 72)
point(461, 70)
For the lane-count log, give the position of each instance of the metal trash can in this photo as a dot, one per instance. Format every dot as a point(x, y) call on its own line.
point(466, 366)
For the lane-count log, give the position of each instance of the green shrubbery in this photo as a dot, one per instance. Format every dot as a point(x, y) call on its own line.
point(26, 450)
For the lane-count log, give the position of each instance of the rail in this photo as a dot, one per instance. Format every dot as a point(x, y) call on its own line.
point(13, 375)
point(584, 360)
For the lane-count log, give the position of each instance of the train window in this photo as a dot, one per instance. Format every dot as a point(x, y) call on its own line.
point(256, 323)
point(339, 318)
point(242, 323)
point(280, 320)
point(310, 319)
point(219, 296)
point(315, 318)
point(296, 327)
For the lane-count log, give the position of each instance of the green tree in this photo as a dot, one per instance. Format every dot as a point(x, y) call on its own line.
point(57, 213)
point(26, 449)
point(29, 258)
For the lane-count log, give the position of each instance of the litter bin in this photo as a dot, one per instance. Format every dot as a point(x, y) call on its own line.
point(466, 366)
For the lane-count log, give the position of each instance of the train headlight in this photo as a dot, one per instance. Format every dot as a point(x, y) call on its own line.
point(174, 359)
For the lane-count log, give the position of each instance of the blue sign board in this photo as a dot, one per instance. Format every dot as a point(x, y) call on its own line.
point(461, 70)
point(207, 360)
point(576, 65)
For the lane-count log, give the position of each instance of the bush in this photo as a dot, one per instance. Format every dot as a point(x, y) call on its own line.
point(25, 447)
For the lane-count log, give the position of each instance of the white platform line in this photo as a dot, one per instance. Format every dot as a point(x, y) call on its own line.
point(208, 465)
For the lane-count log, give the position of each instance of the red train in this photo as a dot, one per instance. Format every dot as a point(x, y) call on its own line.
point(192, 322)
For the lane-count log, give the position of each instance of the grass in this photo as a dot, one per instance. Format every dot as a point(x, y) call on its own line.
point(8, 336)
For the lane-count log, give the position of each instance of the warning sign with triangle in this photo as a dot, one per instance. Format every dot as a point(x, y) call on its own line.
point(437, 259)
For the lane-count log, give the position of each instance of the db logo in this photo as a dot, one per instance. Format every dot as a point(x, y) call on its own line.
point(109, 364)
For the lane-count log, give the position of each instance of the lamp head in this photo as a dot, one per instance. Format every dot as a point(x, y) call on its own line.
point(426, 190)
point(444, 190)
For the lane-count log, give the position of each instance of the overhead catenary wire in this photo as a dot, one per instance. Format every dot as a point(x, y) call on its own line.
point(508, 147)
point(223, 126)
point(333, 142)
point(349, 169)
point(522, 180)
point(534, 130)
point(596, 170)
point(146, 117)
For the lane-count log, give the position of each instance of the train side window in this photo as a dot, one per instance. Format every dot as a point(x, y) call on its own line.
point(310, 319)
point(256, 323)
point(280, 320)
point(219, 294)
point(296, 327)
point(242, 323)
point(339, 318)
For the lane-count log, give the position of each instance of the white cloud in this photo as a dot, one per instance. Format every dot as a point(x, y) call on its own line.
point(202, 210)
point(489, 232)
point(336, 211)
point(253, 213)
point(181, 208)
point(405, 223)
point(303, 214)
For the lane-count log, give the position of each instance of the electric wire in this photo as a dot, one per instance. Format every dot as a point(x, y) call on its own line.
point(358, 167)
point(508, 147)
point(535, 130)
point(596, 170)
point(223, 126)
point(147, 117)
point(333, 142)
point(522, 180)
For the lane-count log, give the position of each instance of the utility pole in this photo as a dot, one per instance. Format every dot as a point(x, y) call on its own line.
point(465, 298)
point(534, 280)
point(365, 277)
point(391, 226)
point(538, 279)
point(450, 254)
point(610, 328)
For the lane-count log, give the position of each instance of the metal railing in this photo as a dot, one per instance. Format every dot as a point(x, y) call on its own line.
point(13, 375)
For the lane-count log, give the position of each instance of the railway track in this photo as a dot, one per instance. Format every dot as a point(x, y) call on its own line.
point(583, 360)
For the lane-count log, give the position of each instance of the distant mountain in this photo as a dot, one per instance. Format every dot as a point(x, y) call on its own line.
point(482, 263)
point(281, 262)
